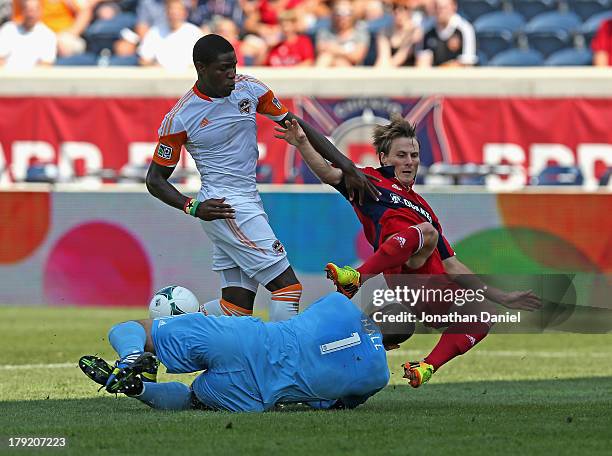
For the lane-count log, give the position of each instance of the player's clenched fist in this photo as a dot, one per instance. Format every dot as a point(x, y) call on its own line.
point(214, 209)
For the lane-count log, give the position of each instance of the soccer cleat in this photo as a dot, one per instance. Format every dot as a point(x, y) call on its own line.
point(150, 375)
point(346, 279)
point(418, 372)
point(127, 380)
point(95, 368)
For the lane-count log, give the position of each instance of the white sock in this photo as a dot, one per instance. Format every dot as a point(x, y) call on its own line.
point(212, 308)
point(280, 311)
point(285, 302)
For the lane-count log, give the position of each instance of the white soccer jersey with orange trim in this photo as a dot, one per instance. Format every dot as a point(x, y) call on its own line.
point(221, 136)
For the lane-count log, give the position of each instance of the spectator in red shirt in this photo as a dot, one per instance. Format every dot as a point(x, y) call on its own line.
point(602, 44)
point(294, 49)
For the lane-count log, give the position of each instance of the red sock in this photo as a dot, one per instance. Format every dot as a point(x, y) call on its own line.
point(394, 252)
point(456, 340)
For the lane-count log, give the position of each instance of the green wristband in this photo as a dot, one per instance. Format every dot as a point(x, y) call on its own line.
point(194, 206)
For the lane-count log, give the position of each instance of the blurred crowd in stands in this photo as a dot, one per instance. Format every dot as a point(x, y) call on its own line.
point(337, 33)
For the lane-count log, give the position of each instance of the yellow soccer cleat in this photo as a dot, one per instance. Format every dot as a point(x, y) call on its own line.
point(346, 279)
point(418, 372)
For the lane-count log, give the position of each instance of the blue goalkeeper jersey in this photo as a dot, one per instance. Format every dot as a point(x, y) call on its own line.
point(332, 351)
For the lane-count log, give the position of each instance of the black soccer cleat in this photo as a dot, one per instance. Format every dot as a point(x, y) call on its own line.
point(150, 375)
point(127, 379)
point(95, 368)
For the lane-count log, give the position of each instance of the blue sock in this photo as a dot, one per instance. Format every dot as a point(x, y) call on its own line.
point(128, 339)
point(166, 396)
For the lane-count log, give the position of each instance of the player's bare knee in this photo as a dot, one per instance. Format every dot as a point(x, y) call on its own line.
point(430, 234)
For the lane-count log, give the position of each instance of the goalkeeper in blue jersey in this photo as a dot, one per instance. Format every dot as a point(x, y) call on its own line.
point(330, 356)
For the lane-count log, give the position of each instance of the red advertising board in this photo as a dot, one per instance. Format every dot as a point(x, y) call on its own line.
point(86, 134)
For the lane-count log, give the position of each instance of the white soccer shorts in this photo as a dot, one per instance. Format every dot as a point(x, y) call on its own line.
point(247, 242)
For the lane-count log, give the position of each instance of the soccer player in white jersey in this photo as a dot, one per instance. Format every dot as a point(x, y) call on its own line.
point(215, 122)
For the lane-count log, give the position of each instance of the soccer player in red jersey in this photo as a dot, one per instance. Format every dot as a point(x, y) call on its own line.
point(407, 239)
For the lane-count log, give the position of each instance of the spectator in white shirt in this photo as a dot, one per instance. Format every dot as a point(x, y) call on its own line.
point(170, 45)
point(28, 44)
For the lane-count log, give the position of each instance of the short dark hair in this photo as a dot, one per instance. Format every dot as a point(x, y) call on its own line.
point(208, 48)
point(385, 134)
point(393, 333)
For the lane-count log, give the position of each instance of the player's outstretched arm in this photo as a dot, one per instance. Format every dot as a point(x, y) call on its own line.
point(294, 135)
point(462, 275)
point(158, 186)
point(356, 182)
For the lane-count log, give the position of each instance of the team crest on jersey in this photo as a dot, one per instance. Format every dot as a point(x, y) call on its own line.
point(164, 151)
point(245, 106)
point(277, 103)
point(204, 122)
point(278, 247)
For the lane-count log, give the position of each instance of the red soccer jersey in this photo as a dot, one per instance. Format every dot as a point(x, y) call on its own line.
point(398, 208)
point(603, 39)
point(290, 54)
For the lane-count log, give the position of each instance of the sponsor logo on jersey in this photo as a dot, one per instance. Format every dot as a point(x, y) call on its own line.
point(204, 122)
point(396, 199)
point(164, 151)
point(278, 247)
point(245, 106)
point(277, 103)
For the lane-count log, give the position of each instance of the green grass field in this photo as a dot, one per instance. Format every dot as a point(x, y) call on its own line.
point(526, 394)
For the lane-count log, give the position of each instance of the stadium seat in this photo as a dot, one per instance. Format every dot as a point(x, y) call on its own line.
point(570, 57)
point(495, 32)
point(472, 180)
point(473, 9)
point(128, 6)
point(380, 24)
point(42, 172)
point(372, 54)
point(85, 59)
point(590, 27)
point(531, 8)
point(123, 60)
point(483, 59)
point(517, 57)
point(589, 8)
point(559, 175)
point(550, 32)
point(103, 33)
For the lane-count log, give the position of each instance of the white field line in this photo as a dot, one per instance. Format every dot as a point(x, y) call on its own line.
point(486, 353)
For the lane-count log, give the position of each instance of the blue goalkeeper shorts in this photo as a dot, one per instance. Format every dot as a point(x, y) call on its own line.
point(195, 342)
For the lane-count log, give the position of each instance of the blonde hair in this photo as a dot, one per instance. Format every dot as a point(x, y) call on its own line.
point(385, 134)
